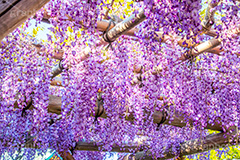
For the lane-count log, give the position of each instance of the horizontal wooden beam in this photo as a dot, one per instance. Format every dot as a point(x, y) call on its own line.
point(114, 33)
point(110, 36)
point(177, 120)
point(92, 146)
point(203, 47)
point(125, 26)
point(211, 46)
point(213, 141)
point(211, 33)
point(86, 146)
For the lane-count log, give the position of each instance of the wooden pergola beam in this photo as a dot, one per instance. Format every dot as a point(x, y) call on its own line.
point(110, 36)
point(22, 13)
point(17, 12)
point(92, 146)
point(177, 120)
point(211, 46)
point(213, 141)
point(203, 47)
point(125, 26)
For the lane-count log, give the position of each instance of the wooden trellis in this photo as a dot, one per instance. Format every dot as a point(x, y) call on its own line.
point(12, 15)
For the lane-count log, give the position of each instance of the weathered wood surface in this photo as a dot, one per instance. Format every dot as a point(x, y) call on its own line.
point(178, 119)
point(6, 5)
point(125, 26)
point(211, 46)
point(111, 35)
point(57, 70)
point(92, 146)
point(212, 141)
point(83, 55)
point(19, 13)
point(203, 47)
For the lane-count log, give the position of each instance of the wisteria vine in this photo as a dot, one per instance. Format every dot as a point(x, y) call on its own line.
point(205, 88)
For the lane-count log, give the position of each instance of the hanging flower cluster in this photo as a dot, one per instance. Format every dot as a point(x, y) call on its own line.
point(135, 77)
